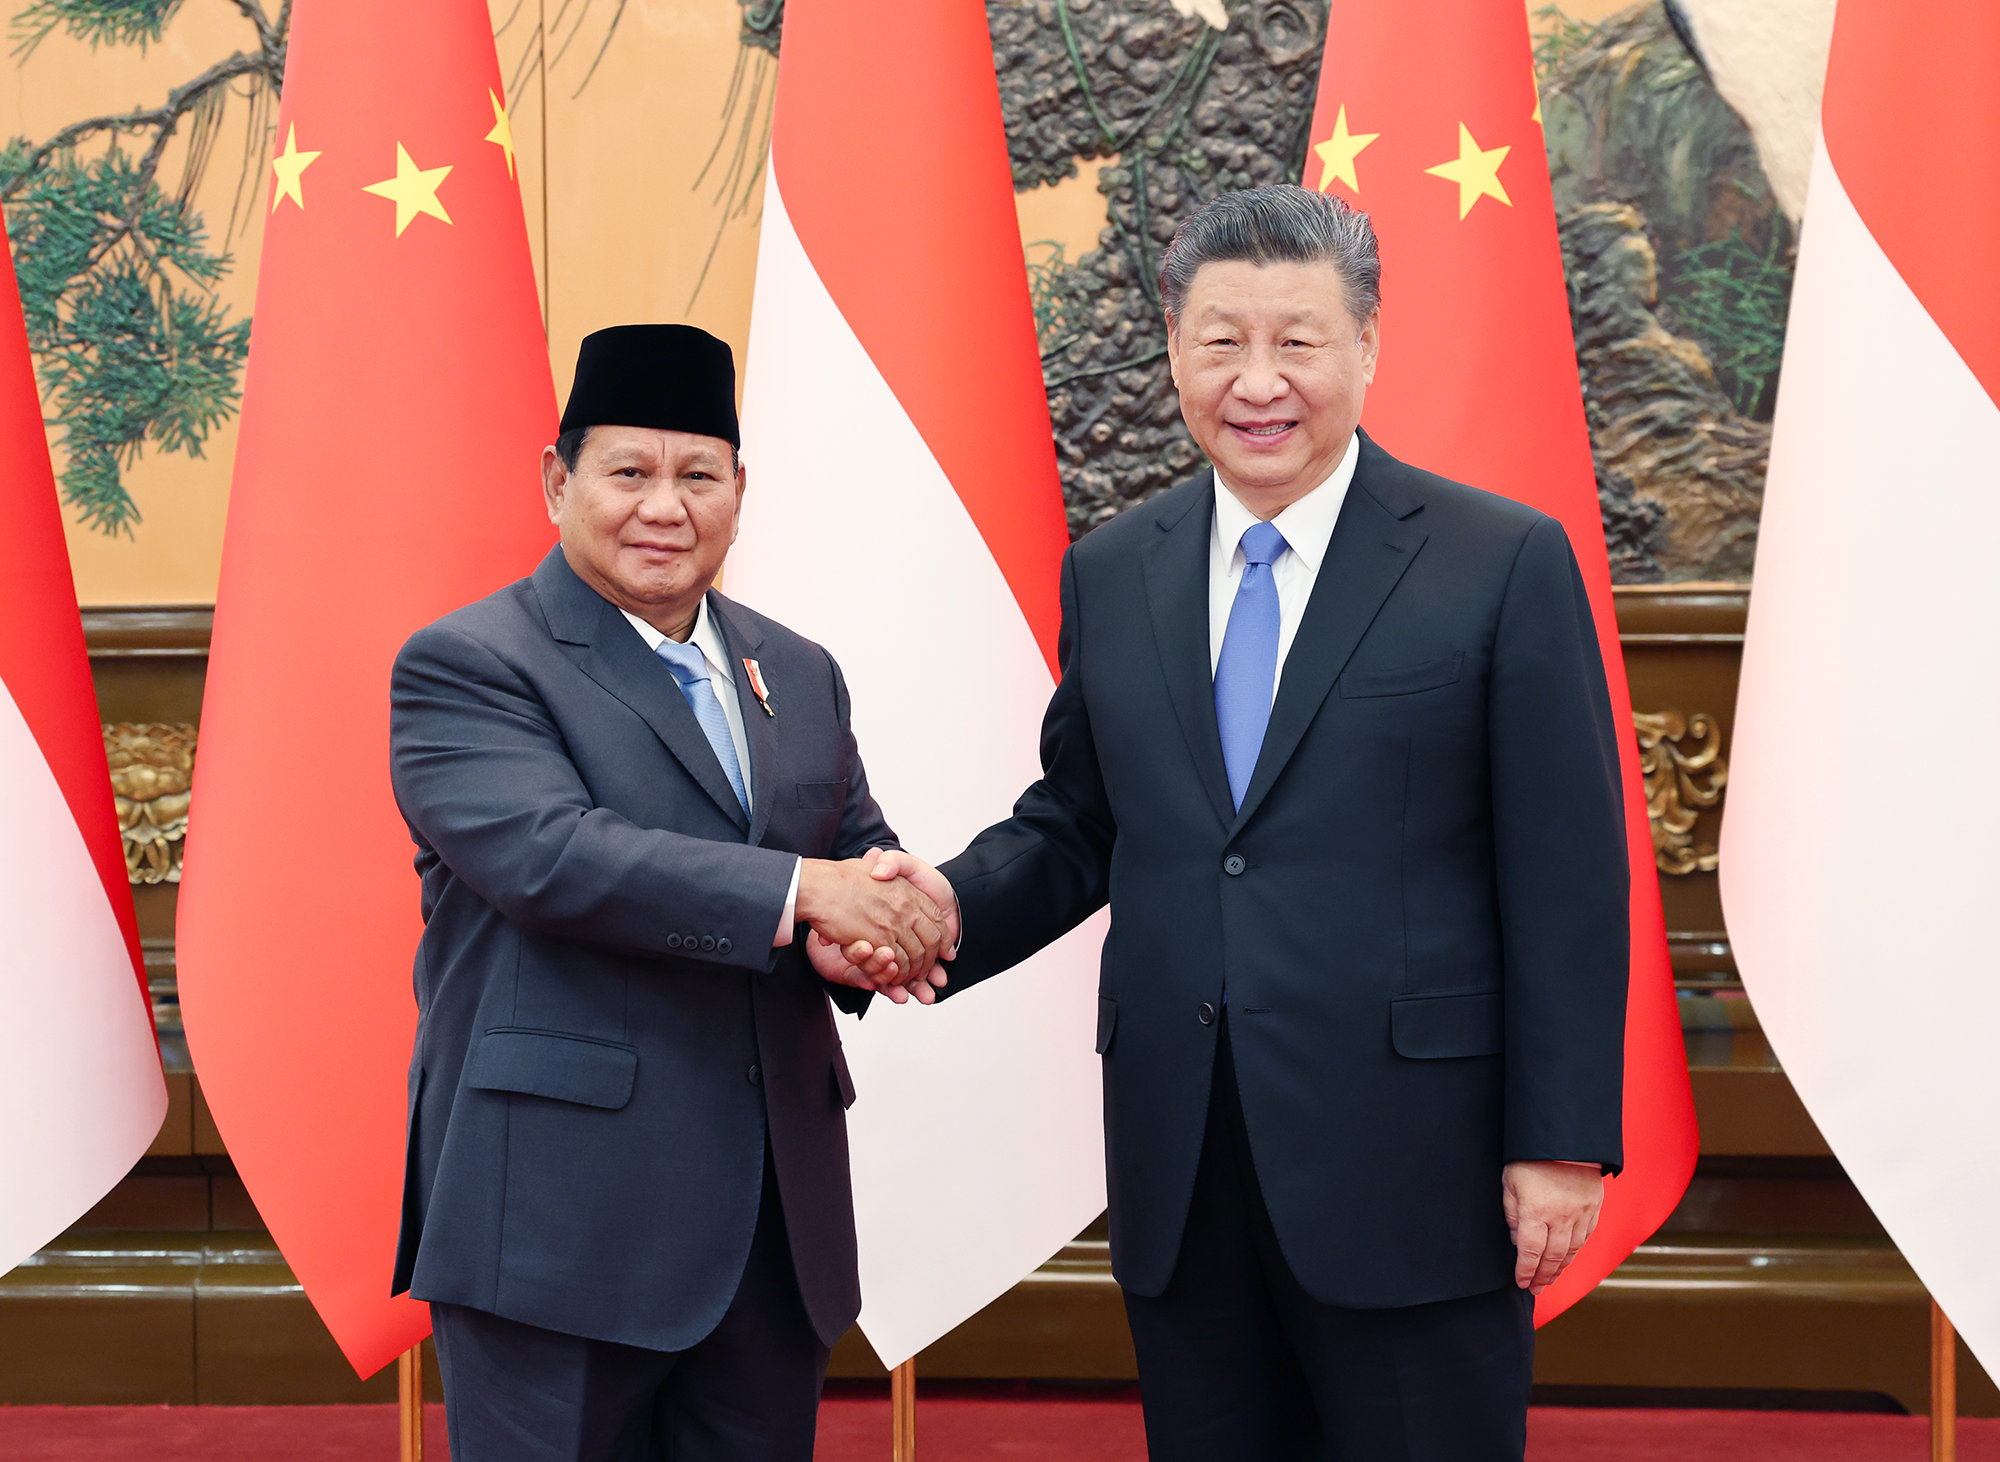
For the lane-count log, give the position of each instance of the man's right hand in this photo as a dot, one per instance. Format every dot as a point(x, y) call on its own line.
point(846, 905)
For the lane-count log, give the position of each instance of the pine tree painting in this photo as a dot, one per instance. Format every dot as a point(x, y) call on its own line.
point(117, 268)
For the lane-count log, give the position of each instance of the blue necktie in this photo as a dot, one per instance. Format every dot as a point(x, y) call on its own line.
point(1247, 669)
point(690, 668)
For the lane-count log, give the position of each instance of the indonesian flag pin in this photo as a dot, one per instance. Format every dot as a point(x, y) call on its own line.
point(757, 684)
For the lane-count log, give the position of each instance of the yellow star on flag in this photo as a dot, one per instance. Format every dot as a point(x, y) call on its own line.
point(502, 135)
point(1337, 153)
point(290, 165)
point(413, 189)
point(1476, 172)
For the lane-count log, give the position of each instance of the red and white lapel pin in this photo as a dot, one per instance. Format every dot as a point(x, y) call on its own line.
point(757, 684)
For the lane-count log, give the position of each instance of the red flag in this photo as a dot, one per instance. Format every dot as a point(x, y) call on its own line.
point(397, 403)
point(79, 1070)
point(1435, 130)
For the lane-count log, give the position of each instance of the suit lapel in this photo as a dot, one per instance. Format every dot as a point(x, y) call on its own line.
point(1175, 565)
point(608, 650)
point(740, 635)
point(1371, 548)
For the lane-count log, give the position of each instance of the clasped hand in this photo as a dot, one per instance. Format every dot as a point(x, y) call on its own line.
point(880, 922)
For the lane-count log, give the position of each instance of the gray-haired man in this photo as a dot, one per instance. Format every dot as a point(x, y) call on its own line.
point(1333, 740)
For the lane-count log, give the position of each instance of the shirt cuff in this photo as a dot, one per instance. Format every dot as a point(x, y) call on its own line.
point(787, 923)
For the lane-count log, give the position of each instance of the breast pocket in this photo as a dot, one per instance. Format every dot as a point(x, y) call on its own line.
point(1363, 682)
point(822, 796)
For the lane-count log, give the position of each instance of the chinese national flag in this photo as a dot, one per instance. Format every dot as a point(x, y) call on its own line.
point(1435, 131)
point(398, 399)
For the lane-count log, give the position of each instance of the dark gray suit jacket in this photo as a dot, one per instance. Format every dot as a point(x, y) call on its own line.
point(605, 1034)
point(1419, 912)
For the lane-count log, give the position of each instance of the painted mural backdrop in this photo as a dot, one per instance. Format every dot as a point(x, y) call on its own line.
point(135, 227)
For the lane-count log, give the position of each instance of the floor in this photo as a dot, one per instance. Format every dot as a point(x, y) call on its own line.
point(988, 1425)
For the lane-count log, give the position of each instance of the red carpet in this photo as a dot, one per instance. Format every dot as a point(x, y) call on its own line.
point(963, 1429)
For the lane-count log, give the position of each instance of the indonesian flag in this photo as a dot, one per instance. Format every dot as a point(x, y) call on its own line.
point(397, 404)
point(1435, 130)
point(1859, 852)
point(79, 1071)
point(904, 510)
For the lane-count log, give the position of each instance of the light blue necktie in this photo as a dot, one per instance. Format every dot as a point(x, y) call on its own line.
point(1247, 669)
point(690, 668)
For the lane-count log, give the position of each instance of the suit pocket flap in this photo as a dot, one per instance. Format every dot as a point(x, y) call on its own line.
point(822, 796)
point(551, 1064)
point(1359, 683)
point(1107, 1022)
point(1428, 1027)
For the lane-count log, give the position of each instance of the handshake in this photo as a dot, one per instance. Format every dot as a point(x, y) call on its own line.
point(880, 922)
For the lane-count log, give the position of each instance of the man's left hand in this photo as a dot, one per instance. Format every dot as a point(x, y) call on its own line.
point(1551, 1209)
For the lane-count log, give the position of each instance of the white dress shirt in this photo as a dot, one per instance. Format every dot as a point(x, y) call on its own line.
point(706, 636)
point(1307, 526)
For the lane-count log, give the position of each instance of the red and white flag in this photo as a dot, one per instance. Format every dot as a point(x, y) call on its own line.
point(905, 511)
point(79, 1070)
point(396, 408)
point(1434, 129)
point(1859, 853)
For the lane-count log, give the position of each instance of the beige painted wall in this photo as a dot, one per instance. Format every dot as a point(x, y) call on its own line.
point(628, 229)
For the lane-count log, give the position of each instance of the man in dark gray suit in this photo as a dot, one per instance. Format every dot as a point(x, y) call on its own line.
point(1333, 741)
point(627, 1195)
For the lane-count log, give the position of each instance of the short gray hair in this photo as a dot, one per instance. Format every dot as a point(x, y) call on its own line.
point(1282, 223)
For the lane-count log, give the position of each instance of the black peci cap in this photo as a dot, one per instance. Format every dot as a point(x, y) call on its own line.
point(668, 377)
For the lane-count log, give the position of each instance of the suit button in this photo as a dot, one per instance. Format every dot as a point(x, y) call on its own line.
point(690, 941)
point(708, 944)
point(673, 941)
point(1234, 864)
point(755, 1075)
point(723, 946)
point(1206, 1015)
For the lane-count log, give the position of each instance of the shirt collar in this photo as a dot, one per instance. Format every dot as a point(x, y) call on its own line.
point(705, 636)
point(1307, 524)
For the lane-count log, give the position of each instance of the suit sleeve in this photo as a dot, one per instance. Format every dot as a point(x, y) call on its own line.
point(1560, 858)
point(483, 778)
point(1026, 882)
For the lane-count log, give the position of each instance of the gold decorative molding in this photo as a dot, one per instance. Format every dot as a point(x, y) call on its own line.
point(152, 767)
point(1680, 758)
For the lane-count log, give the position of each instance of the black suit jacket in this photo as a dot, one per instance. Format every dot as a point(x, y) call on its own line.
point(1419, 913)
point(605, 1034)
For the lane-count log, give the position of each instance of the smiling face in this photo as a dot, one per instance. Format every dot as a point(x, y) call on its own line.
point(1272, 371)
point(646, 518)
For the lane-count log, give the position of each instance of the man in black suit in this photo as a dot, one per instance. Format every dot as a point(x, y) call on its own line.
point(1333, 740)
point(627, 1196)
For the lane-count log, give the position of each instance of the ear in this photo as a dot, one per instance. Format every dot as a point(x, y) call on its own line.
point(1371, 345)
point(1174, 351)
point(742, 481)
point(555, 478)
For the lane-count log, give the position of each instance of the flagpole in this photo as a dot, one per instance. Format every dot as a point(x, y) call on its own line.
point(410, 1401)
point(903, 1412)
point(1944, 1387)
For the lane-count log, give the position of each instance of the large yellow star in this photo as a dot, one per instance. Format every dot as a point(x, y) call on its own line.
point(414, 190)
point(502, 135)
point(1476, 172)
point(290, 165)
point(1337, 153)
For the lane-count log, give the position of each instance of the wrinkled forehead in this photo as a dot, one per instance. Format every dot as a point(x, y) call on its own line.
point(1244, 293)
point(613, 448)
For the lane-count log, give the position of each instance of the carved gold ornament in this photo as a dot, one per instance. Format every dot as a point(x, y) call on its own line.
point(1681, 782)
point(152, 767)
